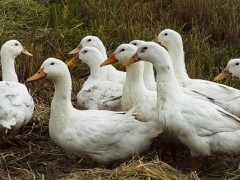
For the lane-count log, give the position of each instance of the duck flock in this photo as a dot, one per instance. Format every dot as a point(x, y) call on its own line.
point(125, 111)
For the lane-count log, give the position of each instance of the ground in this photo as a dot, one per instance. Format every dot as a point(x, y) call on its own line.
point(32, 154)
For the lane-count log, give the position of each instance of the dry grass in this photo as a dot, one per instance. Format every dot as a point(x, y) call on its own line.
point(31, 154)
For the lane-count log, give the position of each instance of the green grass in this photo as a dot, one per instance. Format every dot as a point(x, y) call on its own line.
point(210, 30)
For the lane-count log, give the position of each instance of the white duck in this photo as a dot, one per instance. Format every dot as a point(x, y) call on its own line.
point(232, 69)
point(203, 127)
point(148, 73)
point(100, 135)
point(97, 92)
point(16, 104)
point(150, 82)
point(135, 94)
point(224, 96)
point(113, 74)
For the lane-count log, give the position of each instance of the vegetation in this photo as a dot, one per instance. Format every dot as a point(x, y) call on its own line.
point(48, 28)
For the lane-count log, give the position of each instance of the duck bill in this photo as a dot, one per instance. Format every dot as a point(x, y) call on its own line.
point(132, 60)
point(38, 75)
point(110, 60)
point(224, 74)
point(76, 50)
point(72, 62)
point(24, 51)
point(157, 41)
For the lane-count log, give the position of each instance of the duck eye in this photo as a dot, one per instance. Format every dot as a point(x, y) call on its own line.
point(165, 34)
point(134, 44)
point(122, 50)
point(143, 49)
point(84, 51)
point(89, 40)
point(52, 63)
point(16, 44)
point(237, 64)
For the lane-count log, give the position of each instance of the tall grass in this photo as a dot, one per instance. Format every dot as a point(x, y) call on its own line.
point(210, 28)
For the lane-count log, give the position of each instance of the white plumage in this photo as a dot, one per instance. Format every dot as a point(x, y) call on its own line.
point(99, 135)
point(113, 74)
point(135, 93)
point(203, 127)
point(97, 92)
point(232, 69)
point(148, 73)
point(224, 96)
point(16, 104)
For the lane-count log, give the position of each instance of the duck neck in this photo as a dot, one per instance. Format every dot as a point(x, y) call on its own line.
point(97, 72)
point(134, 77)
point(177, 56)
point(167, 85)
point(148, 73)
point(8, 67)
point(62, 97)
point(61, 106)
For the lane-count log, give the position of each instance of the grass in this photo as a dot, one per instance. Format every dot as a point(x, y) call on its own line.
point(48, 28)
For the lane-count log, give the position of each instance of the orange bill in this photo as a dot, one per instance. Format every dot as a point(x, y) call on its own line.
point(38, 75)
point(24, 51)
point(73, 62)
point(224, 74)
point(132, 60)
point(110, 60)
point(76, 50)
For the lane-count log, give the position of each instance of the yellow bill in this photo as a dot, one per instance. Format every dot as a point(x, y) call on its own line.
point(132, 60)
point(224, 74)
point(24, 51)
point(73, 62)
point(110, 60)
point(38, 75)
point(76, 50)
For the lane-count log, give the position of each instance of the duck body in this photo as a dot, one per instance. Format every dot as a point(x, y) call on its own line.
point(143, 100)
point(102, 136)
point(226, 97)
point(16, 104)
point(202, 126)
point(99, 135)
point(100, 95)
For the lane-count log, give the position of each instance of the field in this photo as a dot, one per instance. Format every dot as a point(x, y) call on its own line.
point(211, 33)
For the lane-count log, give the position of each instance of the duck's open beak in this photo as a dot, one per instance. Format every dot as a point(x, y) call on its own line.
point(110, 60)
point(24, 51)
point(73, 62)
point(224, 74)
point(132, 60)
point(38, 75)
point(76, 50)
